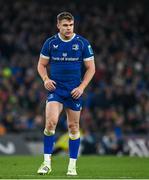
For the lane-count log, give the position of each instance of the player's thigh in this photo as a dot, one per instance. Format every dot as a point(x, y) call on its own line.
point(73, 117)
point(53, 110)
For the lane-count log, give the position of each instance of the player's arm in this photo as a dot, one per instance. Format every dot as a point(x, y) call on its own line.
point(90, 71)
point(42, 70)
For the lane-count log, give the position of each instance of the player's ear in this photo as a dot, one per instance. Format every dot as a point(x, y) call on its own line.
point(58, 25)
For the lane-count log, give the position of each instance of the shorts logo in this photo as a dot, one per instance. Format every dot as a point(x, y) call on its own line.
point(50, 96)
point(78, 105)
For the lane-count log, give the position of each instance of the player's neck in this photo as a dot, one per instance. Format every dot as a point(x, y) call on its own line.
point(64, 38)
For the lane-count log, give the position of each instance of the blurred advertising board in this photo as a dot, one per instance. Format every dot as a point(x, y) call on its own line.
point(138, 145)
point(13, 144)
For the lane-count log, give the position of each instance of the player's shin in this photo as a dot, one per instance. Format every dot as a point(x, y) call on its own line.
point(74, 143)
point(49, 140)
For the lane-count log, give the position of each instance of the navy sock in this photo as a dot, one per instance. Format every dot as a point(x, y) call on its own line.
point(48, 144)
point(74, 148)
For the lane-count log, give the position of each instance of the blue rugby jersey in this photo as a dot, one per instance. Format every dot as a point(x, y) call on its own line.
point(66, 59)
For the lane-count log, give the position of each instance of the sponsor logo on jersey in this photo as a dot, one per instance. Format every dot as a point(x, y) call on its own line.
point(64, 58)
point(75, 47)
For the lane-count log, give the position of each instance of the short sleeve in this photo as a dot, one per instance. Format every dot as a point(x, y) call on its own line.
point(87, 52)
point(45, 50)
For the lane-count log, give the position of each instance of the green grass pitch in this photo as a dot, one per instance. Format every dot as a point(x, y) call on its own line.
point(88, 167)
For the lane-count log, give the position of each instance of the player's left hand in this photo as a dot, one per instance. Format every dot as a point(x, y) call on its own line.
point(77, 92)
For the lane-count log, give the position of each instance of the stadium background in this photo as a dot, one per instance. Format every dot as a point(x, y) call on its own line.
point(115, 118)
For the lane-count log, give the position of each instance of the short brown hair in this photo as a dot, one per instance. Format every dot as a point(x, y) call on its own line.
point(65, 15)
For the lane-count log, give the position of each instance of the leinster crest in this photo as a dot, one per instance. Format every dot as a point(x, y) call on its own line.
point(75, 47)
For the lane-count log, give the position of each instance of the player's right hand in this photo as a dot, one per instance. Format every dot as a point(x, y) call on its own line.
point(49, 84)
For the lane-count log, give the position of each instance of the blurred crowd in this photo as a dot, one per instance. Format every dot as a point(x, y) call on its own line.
point(116, 102)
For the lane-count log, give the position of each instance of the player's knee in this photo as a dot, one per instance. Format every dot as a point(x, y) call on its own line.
point(74, 135)
point(50, 125)
point(73, 127)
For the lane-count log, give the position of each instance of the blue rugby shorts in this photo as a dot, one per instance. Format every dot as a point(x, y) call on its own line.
point(66, 99)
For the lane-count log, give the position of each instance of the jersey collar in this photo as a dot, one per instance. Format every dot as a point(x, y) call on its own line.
point(66, 40)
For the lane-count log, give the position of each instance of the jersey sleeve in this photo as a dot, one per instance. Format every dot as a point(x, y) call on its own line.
point(87, 52)
point(45, 50)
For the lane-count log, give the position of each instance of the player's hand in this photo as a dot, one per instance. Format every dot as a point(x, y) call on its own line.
point(49, 84)
point(77, 92)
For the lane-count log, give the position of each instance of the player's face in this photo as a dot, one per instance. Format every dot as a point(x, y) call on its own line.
point(66, 28)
